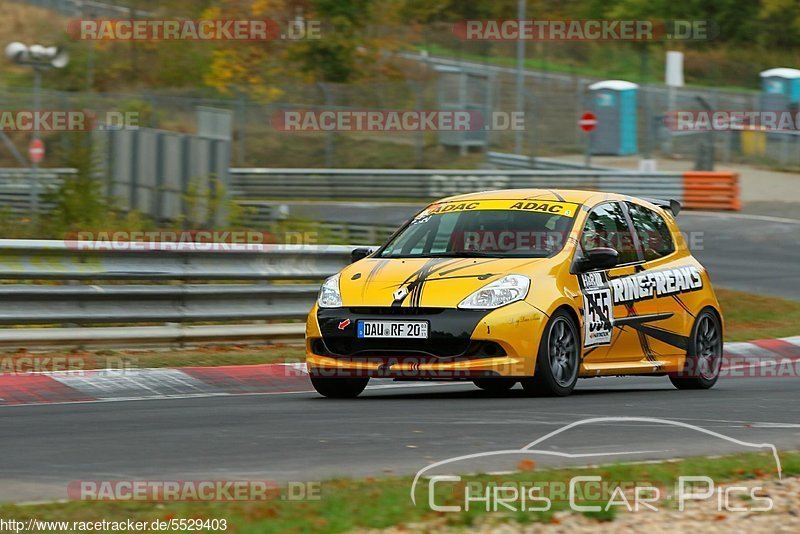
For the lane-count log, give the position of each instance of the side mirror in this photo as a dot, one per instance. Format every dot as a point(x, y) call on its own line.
point(600, 258)
point(359, 254)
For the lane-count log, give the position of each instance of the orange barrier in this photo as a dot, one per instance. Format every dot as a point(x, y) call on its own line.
point(711, 191)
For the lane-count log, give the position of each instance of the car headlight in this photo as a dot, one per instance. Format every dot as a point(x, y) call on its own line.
point(329, 295)
point(510, 288)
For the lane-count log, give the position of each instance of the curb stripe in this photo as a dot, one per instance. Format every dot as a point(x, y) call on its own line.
point(795, 340)
point(780, 347)
point(241, 379)
point(743, 349)
point(135, 383)
point(71, 386)
point(32, 388)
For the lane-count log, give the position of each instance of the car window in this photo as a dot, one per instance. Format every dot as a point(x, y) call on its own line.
point(445, 229)
point(607, 227)
point(490, 232)
point(653, 232)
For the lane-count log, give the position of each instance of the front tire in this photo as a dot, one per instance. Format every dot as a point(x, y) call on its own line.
point(339, 388)
point(703, 356)
point(558, 359)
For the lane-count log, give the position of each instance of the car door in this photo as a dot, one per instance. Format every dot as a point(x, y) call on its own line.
point(670, 276)
point(610, 309)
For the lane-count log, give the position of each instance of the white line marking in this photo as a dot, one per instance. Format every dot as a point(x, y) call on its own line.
point(573, 414)
point(775, 425)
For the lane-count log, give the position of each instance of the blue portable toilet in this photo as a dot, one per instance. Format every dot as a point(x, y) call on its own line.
point(780, 92)
point(780, 89)
point(614, 104)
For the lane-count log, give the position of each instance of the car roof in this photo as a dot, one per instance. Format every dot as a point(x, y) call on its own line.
point(562, 195)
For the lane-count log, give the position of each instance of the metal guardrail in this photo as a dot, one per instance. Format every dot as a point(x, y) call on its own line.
point(171, 333)
point(91, 304)
point(503, 160)
point(15, 187)
point(23, 259)
point(268, 215)
point(95, 283)
point(414, 184)
point(419, 185)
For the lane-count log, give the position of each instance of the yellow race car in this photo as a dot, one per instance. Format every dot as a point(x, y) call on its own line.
point(534, 286)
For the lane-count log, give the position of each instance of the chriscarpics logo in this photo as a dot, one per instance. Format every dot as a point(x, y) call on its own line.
point(508, 480)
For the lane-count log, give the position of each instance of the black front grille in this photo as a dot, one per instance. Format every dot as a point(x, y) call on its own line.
point(449, 331)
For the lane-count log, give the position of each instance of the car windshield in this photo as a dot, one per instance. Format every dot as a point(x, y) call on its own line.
point(497, 233)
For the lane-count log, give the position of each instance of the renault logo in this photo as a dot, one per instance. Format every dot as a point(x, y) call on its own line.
point(400, 294)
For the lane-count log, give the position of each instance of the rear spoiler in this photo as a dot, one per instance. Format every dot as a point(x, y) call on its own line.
point(672, 205)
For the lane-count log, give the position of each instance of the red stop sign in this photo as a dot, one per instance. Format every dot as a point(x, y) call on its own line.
point(36, 150)
point(588, 121)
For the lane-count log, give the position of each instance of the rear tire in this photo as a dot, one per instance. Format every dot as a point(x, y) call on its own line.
point(558, 359)
point(495, 385)
point(339, 388)
point(704, 355)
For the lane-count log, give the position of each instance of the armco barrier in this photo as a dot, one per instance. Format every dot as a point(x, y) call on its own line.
point(16, 191)
point(695, 190)
point(94, 283)
point(711, 191)
point(31, 259)
point(428, 184)
point(705, 190)
point(503, 160)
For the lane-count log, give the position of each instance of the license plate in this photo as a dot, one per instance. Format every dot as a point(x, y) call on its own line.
point(398, 329)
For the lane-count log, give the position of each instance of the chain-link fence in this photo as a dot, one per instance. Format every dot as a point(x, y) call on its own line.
point(552, 105)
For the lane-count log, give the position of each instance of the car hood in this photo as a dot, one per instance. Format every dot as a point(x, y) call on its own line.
point(430, 282)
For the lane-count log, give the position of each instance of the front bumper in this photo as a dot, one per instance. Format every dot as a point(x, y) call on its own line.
point(462, 344)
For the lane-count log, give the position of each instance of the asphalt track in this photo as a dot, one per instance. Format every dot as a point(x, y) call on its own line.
point(300, 436)
point(755, 253)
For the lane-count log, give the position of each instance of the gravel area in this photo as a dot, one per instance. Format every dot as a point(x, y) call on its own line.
point(698, 516)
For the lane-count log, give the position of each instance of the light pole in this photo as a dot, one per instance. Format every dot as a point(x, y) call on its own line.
point(520, 74)
point(39, 58)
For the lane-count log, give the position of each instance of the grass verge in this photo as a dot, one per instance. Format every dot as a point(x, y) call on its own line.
point(347, 504)
point(750, 317)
